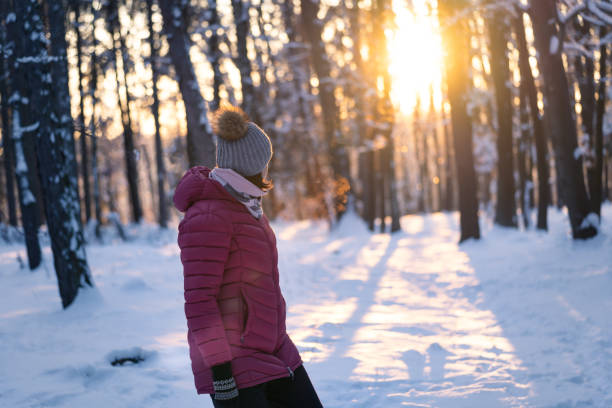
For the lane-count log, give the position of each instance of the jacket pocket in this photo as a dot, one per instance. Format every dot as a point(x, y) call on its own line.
point(245, 316)
point(255, 335)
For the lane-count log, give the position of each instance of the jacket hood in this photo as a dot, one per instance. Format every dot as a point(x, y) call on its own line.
point(195, 186)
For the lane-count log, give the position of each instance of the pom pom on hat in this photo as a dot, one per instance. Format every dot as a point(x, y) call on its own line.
point(230, 123)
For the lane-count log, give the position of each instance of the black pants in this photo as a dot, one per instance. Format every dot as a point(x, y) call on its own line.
point(296, 392)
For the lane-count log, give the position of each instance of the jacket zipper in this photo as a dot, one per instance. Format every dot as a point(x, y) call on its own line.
point(270, 246)
point(291, 373)
point(245, 315)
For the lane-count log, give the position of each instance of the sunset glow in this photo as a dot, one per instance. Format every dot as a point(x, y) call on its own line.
point(415, 55)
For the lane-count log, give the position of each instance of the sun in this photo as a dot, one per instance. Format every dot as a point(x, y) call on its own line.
point(415, 52)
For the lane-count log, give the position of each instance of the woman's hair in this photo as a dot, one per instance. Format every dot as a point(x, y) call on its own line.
point(265, 184)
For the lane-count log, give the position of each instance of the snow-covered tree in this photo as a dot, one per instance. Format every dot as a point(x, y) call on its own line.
point(8, 155)
point(44, 112)
point(23, 125)
point(560, 119)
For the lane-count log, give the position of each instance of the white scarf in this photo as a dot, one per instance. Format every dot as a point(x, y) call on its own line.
point(240, 188)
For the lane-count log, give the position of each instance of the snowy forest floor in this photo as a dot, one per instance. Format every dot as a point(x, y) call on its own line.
point(413, 319)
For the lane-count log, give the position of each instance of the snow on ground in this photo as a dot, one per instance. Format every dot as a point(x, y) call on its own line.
point(413, 319)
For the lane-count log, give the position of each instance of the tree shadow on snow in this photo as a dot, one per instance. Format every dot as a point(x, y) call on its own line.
point(548, 307)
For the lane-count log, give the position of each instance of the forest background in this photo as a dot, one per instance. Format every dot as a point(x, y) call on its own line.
point(497, 109)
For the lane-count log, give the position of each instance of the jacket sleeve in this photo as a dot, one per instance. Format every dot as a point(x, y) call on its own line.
point(204, 239)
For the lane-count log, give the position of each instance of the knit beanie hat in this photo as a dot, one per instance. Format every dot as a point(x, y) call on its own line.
point(241, 145)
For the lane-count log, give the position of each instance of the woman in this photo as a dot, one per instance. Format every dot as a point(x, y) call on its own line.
point(239, 348)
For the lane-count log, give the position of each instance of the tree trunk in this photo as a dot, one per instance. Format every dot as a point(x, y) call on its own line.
point(23, 127)
point(386, 115)
point(523, 148)
point(159, 150)
point(240, 9)
point(131, 169)
point(585, 71)
point(539, 135)
point(558, 108)
point(8, 158)
point(93, 87)
point(425, 177)
point(129, 145)
point(371, 188)
point(338, 156)
point(449, 180)
point(266, 117)
point(57, 158)
point(7, 144)
point(595, 172)
point(417, 135)
point(437, 154)
point(455, 35)
point(585, 76)
point(606, 178)
point(144, 151)
point(380, 158)
point(47, 90)
point(360, 87)
point(214, 53)
point(81, 124)
point(505, 210)
point(200, 144)
point(301, 108)
point(113, 216)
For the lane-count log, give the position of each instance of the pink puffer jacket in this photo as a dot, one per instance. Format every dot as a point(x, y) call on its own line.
point(234, 307)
